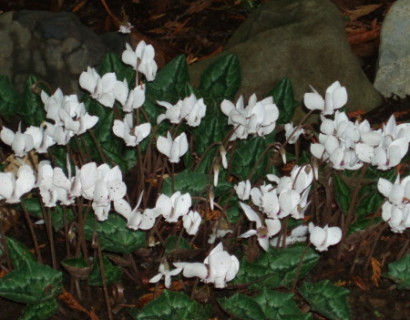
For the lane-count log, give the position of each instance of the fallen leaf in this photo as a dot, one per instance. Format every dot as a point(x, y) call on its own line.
point(362, 11)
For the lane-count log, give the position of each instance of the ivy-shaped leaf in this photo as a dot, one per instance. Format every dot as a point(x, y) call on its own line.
point(32, 110)
point(242, 307)
point(40, 311)
point(186, 181)
point(19, 254)
point(222, 79)
point(113, 273)
point(284, 98)
point(10, 100)
point(111, 62)
point(277, 267)
point(250, 157)
point(114, 235)
point(342, 193)
point(279, 306)
point(172, 306)
point(31, 283)
point(327, 299)
point(400, 272)
point(171, 83)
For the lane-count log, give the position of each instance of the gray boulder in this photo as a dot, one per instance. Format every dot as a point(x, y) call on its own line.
point(55, 47)
point(393, 71)
point(303, 40)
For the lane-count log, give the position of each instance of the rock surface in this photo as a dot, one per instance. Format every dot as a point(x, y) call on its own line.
point(303, 40)
point(393, 70)
point(55, 47)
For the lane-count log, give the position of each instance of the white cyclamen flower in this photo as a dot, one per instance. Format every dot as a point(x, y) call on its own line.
point(263, 232)
point(219, 267)
point(173, 207)
point(173, 149)
point(243, 190)
point(20, 143)
point(13, 186)
point(102, 184)
point(131, 135)
point(101, 88)
point(141, 59)
point(322, 238)
point(136, 219)
point(258, 117)
point(165, 273)
point(335, 98)
point(192, 221)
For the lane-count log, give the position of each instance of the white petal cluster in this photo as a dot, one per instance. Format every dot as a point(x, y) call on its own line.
point(131, 135)
point(396, 208)
point(335, 98)
point(171, 208)
point(292, 134)
point(174, 149)
point(55, 186)
point(189, 109)
point(141, 59)
point(219, 267)
point(68, 114)
point(136, 219)
point(102, 185)
point(263, 231)
point(165, 273)
point(20, 143)
point(347, 145)
point(322, 238)
point(258, 117)
point(14, 185)
point(288, 198)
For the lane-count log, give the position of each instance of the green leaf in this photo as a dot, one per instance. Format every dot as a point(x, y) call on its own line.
point(213, 128)
point(342, 193)
point(277, 267)
point(284, 98)
point(170, 84)
point(242, 307)
point(40, 311)
point(19, 253)
point(249, 157)
point(111, 62)
point(33, 206)
point(114, 235)
point(32, 111)
point(31, 283)
point(10, 100)
point(280, 306)
point(327, 299)
point(113, 273)
point(175, 242)
point(400, 272)
point(172, 306)
point(186, 181)
point(222, 79)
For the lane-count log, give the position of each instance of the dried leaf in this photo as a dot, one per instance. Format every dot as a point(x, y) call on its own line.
point(362, 11)
point(359, 282)
point(73, 303)
point(78, 6)
point(376, 271)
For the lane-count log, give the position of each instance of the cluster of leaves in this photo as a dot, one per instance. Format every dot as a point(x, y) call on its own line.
point(265, 286)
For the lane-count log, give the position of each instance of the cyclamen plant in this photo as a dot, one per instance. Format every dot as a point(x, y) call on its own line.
point(128, 175)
